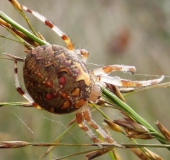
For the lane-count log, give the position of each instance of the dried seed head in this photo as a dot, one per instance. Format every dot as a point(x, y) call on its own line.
point(116, 91)
point(98, 153)
point(16, 5)
point(134, 129)
point(136, 135)
point(13, 144)
point(145, 154)
point(113, 126)
point(132, 125)
point(163, 130)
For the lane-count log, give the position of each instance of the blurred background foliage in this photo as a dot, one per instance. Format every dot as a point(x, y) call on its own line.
point(131, 32)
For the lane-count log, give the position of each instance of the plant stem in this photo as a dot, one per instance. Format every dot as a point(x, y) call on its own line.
point(22, 29)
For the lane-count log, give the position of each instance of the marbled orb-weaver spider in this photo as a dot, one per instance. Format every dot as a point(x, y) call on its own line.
point(58, 80)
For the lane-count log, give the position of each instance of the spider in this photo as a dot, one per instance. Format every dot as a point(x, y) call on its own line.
point(58, 80)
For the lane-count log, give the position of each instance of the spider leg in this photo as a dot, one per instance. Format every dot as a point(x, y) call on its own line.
point(84, 54)
point(13, 58)
point(67, 40)
point(82, 115)
point(20, 90)
point(84, 127)
point(127, 83)
point(94, 125)
point(111, 68)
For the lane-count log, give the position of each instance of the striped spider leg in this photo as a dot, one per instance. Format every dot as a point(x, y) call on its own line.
point(84, 54)
point(17, 83)
point(101, 75)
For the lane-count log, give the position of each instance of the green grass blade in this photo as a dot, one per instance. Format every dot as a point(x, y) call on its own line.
point(22, 29)
point(123, 106)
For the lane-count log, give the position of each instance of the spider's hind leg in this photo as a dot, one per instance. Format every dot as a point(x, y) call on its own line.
point(17, 83)
point(61, 34)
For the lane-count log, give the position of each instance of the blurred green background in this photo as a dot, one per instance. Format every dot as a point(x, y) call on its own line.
point(130, 32)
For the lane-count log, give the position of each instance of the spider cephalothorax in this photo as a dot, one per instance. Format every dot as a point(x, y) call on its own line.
point(58, 80)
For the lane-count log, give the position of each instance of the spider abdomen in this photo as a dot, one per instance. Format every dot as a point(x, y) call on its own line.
point(56, 79)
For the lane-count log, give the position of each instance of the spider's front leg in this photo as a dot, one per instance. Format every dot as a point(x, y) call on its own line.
point(106, 70)
point(117, 81)
point(101, 75)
